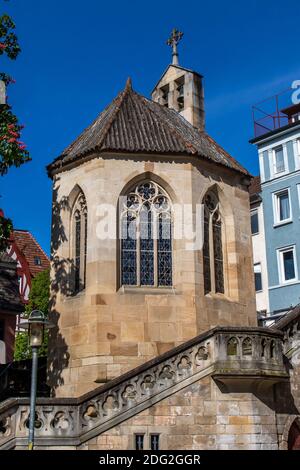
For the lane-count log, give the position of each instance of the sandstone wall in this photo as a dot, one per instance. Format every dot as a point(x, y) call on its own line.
point(196, 418)
point(106, 330)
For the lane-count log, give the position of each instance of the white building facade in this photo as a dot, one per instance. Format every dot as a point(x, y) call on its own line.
point(259, 247)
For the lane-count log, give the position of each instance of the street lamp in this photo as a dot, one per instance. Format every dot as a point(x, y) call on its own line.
point(36, 329)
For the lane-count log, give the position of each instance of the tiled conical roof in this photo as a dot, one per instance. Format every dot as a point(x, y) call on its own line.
point(135, 124)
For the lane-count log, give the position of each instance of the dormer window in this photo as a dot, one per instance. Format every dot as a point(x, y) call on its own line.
point(37, 261)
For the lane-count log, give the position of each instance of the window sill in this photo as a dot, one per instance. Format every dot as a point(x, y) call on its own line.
point(253, 234)
point(218, 295)
point(279, 173)
point(284, 222)
point(285, 284)
point(143, 290)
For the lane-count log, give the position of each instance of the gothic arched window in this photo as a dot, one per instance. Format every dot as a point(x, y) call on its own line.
point(79, 243)
point(146, 237)
point(212, 246)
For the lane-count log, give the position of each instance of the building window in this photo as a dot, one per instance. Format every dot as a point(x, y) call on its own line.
point(146, 237)
point(37, 261)
point(297, 154)
point(212, 246)
point(139, 442)
point(254, 222)
point(258, 279)
point(287, 265)
point(278, 154)
point(154, 441)
point(282, 207)
point(79, 244)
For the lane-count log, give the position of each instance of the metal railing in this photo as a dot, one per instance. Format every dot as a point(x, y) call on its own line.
point(268, 114)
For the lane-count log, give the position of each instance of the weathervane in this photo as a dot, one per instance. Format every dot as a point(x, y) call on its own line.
point(173, 41)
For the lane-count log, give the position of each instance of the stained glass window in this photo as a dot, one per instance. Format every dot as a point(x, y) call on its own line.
point(218, 253)
point(206, 254)
point(77, 251)
point(164, 250)
point(128, 248)
point(146, 237)
point(79, 221)
point(212, 246)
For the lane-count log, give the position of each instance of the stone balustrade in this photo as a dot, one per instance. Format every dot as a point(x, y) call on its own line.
point(249, 357)
point(229, 355)
point(290, 326)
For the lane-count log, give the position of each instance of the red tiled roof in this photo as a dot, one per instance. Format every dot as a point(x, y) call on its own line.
point(132, 123)
point(255, 186)
point(30, 248)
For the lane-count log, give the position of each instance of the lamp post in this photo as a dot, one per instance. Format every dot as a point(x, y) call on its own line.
point(36, 330)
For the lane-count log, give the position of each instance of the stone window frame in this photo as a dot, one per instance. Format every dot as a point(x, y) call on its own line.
point(283, 445)
point(79, 212)
point(212, 290)
point(135, 440)
point(147, 431)
point(152, 434)
point(152, 288)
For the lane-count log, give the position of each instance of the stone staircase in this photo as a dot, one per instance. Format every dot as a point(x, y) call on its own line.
point(237, 358)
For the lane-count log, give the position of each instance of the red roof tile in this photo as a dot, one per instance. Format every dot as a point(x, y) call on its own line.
point(30, 248)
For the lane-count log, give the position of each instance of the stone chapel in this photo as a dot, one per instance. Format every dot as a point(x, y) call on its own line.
point(156, 343)
point(126, 301)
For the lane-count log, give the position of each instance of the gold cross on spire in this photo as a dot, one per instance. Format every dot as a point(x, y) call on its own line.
point(173, 41)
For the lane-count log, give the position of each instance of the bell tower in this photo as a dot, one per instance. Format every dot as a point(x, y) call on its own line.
point(180, 88)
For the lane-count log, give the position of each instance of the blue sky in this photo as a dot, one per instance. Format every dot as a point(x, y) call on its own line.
point(76, 56)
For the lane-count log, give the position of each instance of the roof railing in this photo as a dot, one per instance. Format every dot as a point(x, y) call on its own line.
point(272, 113)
